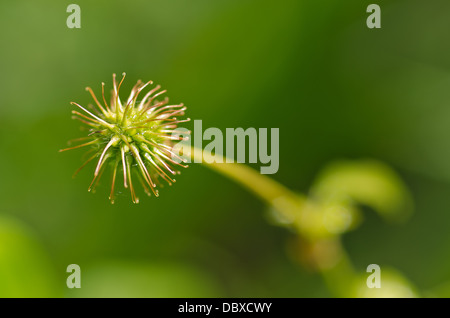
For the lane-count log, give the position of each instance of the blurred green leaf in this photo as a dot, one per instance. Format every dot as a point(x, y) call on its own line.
point(135, 279)
point(367, 182)
point(393, 285)
point(25, 270)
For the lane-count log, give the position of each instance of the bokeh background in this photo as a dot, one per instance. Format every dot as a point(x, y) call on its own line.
point(334, 88)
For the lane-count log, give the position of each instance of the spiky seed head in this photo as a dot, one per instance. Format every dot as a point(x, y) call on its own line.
point(134, 137)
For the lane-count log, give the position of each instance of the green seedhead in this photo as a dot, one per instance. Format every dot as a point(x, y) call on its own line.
point(135, 138)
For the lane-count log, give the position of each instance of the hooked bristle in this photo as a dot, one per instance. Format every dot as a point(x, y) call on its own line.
point(133, 136)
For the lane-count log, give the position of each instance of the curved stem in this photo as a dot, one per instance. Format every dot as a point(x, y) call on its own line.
point(289, 205)
point(270, 191)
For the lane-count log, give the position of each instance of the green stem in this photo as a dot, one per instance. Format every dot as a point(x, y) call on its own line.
point(288, 204)
point(267, 189)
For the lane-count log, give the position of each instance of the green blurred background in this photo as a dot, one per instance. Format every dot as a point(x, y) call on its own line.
point(336, 90)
